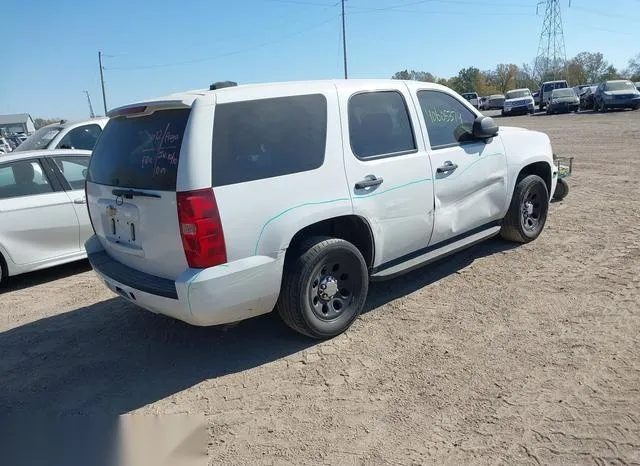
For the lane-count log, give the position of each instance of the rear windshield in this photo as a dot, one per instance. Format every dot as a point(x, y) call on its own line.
point(264, 138)
point(140, 152)
point(40, 139)
point(551, 86)
point(564, 93)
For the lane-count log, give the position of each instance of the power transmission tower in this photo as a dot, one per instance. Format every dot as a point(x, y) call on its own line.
point(552, 56)
point(91, 114)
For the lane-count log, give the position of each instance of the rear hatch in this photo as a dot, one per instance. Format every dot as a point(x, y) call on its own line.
point(131, 189)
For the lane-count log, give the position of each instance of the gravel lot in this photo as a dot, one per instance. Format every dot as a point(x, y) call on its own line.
point(499, 354)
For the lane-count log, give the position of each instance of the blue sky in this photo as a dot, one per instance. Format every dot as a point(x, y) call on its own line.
point(157, 47)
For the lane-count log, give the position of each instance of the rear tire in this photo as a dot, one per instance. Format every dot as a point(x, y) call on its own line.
point(324, 287)
point(562, 189)
point(527, 213)
point(4, 273)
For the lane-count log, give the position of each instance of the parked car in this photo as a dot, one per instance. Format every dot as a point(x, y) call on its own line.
point(581, 88)
point(620, 93)
point(563, 100)
point(495, 101)
point(43, 213)
point(536, 97)
point(482, 102)
point(546, 90)
point(64, 135)
point(518, 101)
point(473, 98)
point(217, 226)
point(637, 85)
point(586, 98)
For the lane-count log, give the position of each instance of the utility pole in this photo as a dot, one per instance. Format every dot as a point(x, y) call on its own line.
point(344, 41)
point(91, 114)
point(104, 97)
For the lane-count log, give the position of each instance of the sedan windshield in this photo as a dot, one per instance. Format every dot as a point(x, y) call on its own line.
point(619, 86)
point(40, 139)
point(518, 94)
point(564, 93)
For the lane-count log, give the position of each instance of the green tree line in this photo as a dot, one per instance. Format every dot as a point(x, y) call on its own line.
point(584, 68)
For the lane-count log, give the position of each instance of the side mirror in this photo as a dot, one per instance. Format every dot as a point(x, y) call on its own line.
point(484, 128)
point(84, 173)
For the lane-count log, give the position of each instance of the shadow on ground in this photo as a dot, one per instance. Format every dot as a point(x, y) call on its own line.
point(111, 358)
point(27, 280)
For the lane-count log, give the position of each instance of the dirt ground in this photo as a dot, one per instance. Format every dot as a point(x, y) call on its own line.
point(497, 355)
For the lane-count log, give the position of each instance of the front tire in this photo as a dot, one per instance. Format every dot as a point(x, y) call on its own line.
point(324, 287)
point(527, 213)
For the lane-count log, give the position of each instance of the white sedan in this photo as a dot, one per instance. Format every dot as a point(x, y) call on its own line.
point(43, 213)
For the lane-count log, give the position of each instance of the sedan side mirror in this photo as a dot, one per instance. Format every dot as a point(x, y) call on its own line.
point(484, 128)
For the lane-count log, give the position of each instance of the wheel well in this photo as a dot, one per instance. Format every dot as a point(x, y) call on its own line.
point(349, 228)
point(542, 169)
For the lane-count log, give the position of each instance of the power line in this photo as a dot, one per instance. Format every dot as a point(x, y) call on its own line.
point(227, 54)
point(398, 6)
point(604, 13)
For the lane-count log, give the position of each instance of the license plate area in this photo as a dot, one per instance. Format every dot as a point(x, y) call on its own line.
point(120, 223)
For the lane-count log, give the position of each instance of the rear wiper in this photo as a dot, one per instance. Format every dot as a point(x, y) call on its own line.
point(129, 193)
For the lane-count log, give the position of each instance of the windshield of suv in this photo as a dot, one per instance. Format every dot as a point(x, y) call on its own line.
point(40, 139)
point(518, 94)
point(563, 93)
point(140, 152)
point(619, 86)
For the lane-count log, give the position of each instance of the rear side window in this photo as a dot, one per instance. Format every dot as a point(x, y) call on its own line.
point(265, 138)
point(73, 168)
point(140, 152)
point(379, 125)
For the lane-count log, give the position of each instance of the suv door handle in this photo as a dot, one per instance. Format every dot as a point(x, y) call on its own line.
point(369, 182)
point(80, 200)
point(447, 167)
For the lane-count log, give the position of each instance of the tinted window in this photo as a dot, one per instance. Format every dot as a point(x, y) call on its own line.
point(448, 120)
point(73, 168)
point(140, 152)
point(379, 124)
point(23, 178)
point(264, 138)
point(82, 137)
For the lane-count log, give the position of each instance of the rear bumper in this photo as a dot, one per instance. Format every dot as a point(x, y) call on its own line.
point(226, 293)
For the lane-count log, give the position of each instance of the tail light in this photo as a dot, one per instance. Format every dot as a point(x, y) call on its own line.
point(201, 228)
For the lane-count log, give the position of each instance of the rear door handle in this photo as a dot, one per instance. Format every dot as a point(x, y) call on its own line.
point(81, 200)
point(369, 182)
point(447, 167)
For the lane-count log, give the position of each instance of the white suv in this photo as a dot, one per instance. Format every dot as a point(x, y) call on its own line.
point(218, 205)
